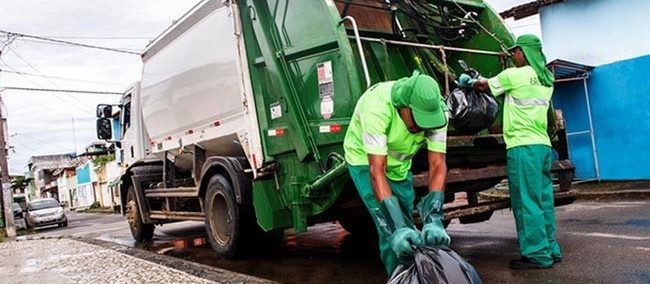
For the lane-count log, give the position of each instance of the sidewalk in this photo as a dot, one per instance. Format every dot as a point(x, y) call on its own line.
point(620, 190)
point(63, 261)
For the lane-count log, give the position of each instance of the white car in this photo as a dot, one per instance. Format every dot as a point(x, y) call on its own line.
point(44, 212)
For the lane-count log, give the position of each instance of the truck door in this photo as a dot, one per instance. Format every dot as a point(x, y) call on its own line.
point(128, 135)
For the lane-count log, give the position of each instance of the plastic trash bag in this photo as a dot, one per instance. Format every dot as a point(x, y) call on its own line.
point(471, 111)
point(435, 265)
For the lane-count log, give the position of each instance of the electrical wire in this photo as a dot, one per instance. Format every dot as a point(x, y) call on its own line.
point(100, 37)
point(81, 105)
point(43, 142)
point(69, 43)
point(63, 44)
point(60, 91)
point(60, 78)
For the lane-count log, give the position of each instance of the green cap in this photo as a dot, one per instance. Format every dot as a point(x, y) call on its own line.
point(531, 46)
point(421, 94)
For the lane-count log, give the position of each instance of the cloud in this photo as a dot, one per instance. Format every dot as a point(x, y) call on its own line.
point(41, 122)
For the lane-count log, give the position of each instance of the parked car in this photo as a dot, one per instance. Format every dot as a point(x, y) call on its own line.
point(18, 211)
point(43, 212)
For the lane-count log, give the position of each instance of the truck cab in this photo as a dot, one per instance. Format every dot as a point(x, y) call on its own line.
point(124, 124)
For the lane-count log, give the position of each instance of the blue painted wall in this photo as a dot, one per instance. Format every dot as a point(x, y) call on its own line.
point(620, 105)
point(83, 174)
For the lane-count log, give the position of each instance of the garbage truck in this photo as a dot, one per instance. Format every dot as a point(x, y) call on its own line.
point(239, 118)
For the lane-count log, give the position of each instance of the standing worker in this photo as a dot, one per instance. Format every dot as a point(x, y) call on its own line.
point(391, 122)
point(527, 88)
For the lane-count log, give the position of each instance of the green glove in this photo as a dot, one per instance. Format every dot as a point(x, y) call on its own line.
point(402, 241)
point(465, 81)
point(401, 237)
point(430, 208)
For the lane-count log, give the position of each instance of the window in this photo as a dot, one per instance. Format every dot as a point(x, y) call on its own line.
point(126, 114)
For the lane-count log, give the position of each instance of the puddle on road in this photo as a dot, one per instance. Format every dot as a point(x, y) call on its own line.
point(638, 222)
point(324, 254)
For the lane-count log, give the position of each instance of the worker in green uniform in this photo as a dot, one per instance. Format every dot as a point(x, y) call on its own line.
point(527, 88)
point(391, 122)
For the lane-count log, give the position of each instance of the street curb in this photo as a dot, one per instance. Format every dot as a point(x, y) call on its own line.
point(196, 269)
point(618, 194)
point(633, 194)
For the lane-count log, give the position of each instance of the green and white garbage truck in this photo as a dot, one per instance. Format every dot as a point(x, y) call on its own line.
point(239, 118)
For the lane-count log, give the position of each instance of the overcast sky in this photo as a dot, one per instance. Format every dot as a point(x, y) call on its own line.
point(44, 123)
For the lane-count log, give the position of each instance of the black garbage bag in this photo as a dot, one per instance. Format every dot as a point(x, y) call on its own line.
point(471, 111)
point(435, 265)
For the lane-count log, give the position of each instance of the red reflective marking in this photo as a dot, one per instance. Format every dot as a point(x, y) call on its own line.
point(335, 128)
point(216, 123)
point(279, 131)
point(190, 132)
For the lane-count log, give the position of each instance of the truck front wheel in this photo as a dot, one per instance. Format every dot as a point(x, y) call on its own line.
point(141, 232)
point(222, 218)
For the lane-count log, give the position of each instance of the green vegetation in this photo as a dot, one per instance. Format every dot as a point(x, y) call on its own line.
point(101, 161)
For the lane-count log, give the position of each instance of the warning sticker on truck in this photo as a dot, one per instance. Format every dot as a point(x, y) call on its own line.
point(325, 79)
point(276, 110)
point(327, 107)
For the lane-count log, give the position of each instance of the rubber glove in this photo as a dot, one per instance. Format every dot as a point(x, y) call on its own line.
point(401, 238)
point(465, 81)
point(402, 241)
point(430, 209)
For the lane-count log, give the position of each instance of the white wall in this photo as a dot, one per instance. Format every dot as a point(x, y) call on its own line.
point(596, 32)
point(85, 195)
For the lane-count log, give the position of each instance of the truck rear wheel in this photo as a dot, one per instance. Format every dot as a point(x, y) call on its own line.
point(222, 218)
point(141, 232)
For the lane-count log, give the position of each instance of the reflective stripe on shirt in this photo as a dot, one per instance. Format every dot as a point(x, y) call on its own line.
point(527, 102)
point(399, 156)
point(374, 140)
point(437, 136)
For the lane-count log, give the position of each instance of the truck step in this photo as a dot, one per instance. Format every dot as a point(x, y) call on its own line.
point(172, 192)
point(176, 215)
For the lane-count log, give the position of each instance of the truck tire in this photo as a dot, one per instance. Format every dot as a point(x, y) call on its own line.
point(222, 218)
point(141, 232)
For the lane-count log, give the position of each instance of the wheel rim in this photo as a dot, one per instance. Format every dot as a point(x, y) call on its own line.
point(221, 225)
point(131, 215)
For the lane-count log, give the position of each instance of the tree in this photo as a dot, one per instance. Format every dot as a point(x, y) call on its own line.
point(20, 182)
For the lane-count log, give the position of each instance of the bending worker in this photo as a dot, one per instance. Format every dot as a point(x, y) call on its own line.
point(391, 122)
point(527, 88)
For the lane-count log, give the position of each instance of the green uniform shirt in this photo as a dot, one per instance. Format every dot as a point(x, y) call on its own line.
point(525, 107)
point(376, 128)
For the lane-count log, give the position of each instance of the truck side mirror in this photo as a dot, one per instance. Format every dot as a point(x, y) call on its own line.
point(104, 111)
point(104, 131)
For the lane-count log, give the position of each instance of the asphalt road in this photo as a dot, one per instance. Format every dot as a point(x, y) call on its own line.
point(603, 242)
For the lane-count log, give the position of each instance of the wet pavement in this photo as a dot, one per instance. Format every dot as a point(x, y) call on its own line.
point(603, 242)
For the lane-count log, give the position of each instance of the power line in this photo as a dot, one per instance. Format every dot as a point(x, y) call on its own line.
point(59, 78)
point(49, 143)
point(99, 37)
point(60, 91)
point(69, 43)
point(83, 106)
point(64, 44)
point(39, 103)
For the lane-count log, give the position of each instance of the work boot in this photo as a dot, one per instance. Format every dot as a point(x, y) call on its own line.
point(525, 263)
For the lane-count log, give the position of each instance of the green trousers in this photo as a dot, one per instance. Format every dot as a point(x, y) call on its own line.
point(531, 197)
point(402, 190)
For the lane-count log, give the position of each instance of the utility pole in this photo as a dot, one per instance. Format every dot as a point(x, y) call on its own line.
point(7, 201)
